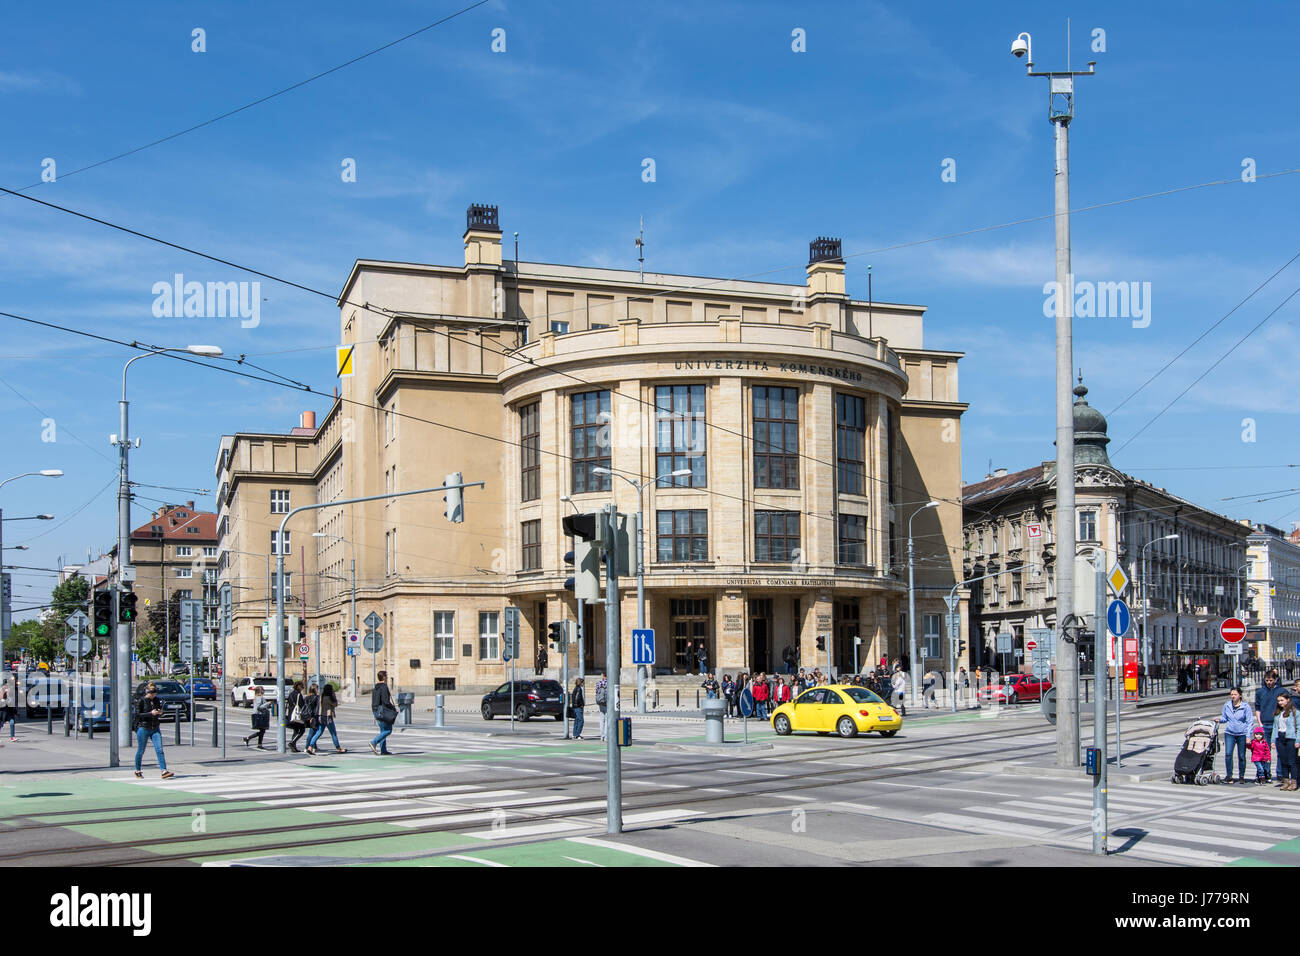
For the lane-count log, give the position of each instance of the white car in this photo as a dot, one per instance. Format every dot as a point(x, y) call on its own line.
point(242, 692)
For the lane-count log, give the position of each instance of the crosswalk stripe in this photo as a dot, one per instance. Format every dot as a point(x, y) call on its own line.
point(992, 826)
point(1219, 841)
point(511, 831)
point(1018, 814)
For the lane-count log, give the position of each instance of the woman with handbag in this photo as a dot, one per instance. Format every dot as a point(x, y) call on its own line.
point(327, 708)
point(261, 717)
point(381, 705)
point(293, 706)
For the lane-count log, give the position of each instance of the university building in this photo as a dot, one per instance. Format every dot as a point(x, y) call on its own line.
point(795, 431)
point(1186, 585)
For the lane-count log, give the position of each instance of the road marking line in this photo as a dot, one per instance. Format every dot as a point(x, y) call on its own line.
point(965, 824)
point(791, 796)
point(754, 773)
point(476, 859)
point(512, 830)
point(588, 862)
point(639, 851)
point(917, 786)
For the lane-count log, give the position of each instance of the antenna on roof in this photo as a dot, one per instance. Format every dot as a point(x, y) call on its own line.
point(640, 248)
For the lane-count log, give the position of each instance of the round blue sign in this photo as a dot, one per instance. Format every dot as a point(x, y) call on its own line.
point(1118, 618)
point(746, 703)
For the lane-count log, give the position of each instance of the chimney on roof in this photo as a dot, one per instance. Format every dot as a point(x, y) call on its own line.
point(190, 505)
point(999, 473)
point(309, 420)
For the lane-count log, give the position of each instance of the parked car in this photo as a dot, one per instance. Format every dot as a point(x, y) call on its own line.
point(242, 693)
point(43, 690)
point(532, 698)
point(1015, 688)
point(204, 689)
point(174, 698)
point(96, 706)
point(180, 669)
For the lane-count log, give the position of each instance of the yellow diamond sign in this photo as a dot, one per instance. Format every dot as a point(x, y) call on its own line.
point(1117, 580)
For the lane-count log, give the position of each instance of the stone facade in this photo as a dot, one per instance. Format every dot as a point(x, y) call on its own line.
point(501, 370)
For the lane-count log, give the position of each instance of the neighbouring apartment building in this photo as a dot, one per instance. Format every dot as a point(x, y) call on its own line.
point(1273, 598)
point(795, 431)
point(175, 556)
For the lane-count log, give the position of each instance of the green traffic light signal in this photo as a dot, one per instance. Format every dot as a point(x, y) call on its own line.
point(101, 630)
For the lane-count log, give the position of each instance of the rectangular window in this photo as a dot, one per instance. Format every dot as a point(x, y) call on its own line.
point(184, 551)
point(280, 502)
point(287, 548)
point(776, 535)
point(531, 537)
point(933, 641)
point(852, 539)
point(288, 586)
point(559, 328)
point(489, 634)
point(776, 437)
point(529, 444)
point(1017, 584)
point(590, 440)
point(683, 535)
point(209, 552)
point(1088, 526)
point(850, 444)
point(444, 635)
point(183, 595)
point(679, 435)
point(185, 572)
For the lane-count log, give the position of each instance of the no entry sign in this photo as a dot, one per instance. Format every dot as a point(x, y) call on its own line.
point(1233, 630)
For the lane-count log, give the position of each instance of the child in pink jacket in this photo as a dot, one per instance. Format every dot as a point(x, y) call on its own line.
point(1260, 756)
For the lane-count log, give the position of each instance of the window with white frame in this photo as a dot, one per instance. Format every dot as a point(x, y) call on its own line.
point(184, 551)
point(444, 635)
point(1088, 526)
point(489, 635)
point(288, 549)
point(209, 552)
point(933, 646)
point(280, 501)
point(185, 572)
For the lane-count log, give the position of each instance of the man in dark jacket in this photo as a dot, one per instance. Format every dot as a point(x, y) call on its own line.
point(577, 701)
point(147, 711)
point(381, 706)
point(1266, 704)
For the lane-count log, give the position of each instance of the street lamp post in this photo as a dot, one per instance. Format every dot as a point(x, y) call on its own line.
point(43, 473)
point(640, 560)
point(911, 600)
point(1146, 603)
point(120, 659)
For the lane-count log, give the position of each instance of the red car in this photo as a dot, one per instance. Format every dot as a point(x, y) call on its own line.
point(1015, 688)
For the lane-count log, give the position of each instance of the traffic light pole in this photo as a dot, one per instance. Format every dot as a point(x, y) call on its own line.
point(280, 742)
point(120, 659)
point(613, 665)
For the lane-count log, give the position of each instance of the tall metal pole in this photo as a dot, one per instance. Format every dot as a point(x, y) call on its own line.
point(911, 614)
point(582, 637)
point(120, 664)
point(640, 593)
point(613, 665)
point(354, 616)
point(1100, 681)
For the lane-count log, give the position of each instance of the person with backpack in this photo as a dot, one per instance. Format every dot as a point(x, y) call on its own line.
point(147, 711)
point(308, 709)
point(8, 709)
point(261, 717)
point(385, 714)
point(577, 701)
point(293, 702)
point(602, 702)
point(326, 709)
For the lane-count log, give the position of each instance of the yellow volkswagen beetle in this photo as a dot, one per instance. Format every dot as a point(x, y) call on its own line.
point(845, 709)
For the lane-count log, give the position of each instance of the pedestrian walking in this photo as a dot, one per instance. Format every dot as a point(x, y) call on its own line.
point(8, 708)
point(729, 693)
point(293, 708)
point(577, 701)
point(1237, 722)
point(1266, 703)
point(385, 714)
point(261, 717)
point(602, 702)
point(702, 658)
point(1261, 756)
point(327, 707)
point(147, 711)
point(899, 685)
point(1286, 741)
point(787, 655)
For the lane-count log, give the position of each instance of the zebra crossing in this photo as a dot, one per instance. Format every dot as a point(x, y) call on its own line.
point(1157, 822)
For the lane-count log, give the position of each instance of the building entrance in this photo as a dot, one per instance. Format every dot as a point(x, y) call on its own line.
point(846, 629)
point(689, 619)
point(760, 636)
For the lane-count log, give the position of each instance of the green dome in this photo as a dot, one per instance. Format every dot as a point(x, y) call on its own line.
point(1090, 438)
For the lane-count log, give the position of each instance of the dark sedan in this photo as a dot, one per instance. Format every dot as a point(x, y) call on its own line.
point(204, 689)
point(532, 698)
point(96, 707)
point(174, 698)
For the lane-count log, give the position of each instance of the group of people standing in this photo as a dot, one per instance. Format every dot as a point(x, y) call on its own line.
point(1273, 729)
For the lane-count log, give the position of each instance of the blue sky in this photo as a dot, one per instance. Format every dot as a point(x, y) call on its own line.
point(757, 149)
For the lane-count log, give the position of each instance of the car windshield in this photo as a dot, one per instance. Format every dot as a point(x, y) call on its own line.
point(548, 687)
point(168, 687)
point(265, 681)
point(860, 695)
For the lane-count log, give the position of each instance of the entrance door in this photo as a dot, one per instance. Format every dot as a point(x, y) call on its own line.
point(760, 636)
point(689, 618)
point(846, 629)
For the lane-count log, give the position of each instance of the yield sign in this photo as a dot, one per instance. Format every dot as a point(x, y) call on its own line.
point(1233, 630)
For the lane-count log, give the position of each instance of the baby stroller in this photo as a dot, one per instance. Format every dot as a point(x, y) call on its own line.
point(1195, 761)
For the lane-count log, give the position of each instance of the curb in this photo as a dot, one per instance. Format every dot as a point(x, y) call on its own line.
point(737, 749)
point(1065, 773)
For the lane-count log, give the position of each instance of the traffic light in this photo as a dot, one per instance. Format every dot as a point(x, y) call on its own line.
point(585, 557)
point(126, 606)
point(961, 646)
point(556, 635)
point(821, 642)
point(103, 613)
point(455, 498)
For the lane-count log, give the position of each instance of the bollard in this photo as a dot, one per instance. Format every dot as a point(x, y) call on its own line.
point(215, 742)
point(90, 727)
point(178, 729)
point(679, 697)
point(714, 709)
point(438, 710)
point(697, 700)
point(67, 722)
point(656, 701)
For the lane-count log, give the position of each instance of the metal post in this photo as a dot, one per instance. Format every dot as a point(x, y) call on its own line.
point(564, 675)
point(354, 617)
point(278, 635)
point(512, 693)
point(613, 665)
point(640, 594)
point(582, 636)
point(438, 713)
point(1100, 828)
point(49, 703)
point(911, 618)
point(120, 661)
point(224, 699)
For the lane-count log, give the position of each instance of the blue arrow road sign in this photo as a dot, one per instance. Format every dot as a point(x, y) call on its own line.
point(643, 645)
point(1118, 618)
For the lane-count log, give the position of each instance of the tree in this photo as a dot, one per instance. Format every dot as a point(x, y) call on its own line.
point(69, 597)
point(36, 637)
point(148, 645)
point(160, 618)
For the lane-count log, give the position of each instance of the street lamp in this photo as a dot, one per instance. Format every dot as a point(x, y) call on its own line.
point(43, 473)
point(640, 560)
point(911, 602)
point(1146, 601)
point(1061, 112)
point(120, 659)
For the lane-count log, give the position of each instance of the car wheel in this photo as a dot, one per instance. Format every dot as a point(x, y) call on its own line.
point(845, 727)
point(521, 712)
point(487, 711)
point(782, 725)
point(888, 733)
point(559, 716)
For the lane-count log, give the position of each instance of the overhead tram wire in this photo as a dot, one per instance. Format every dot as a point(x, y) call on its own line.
point(264, 99)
